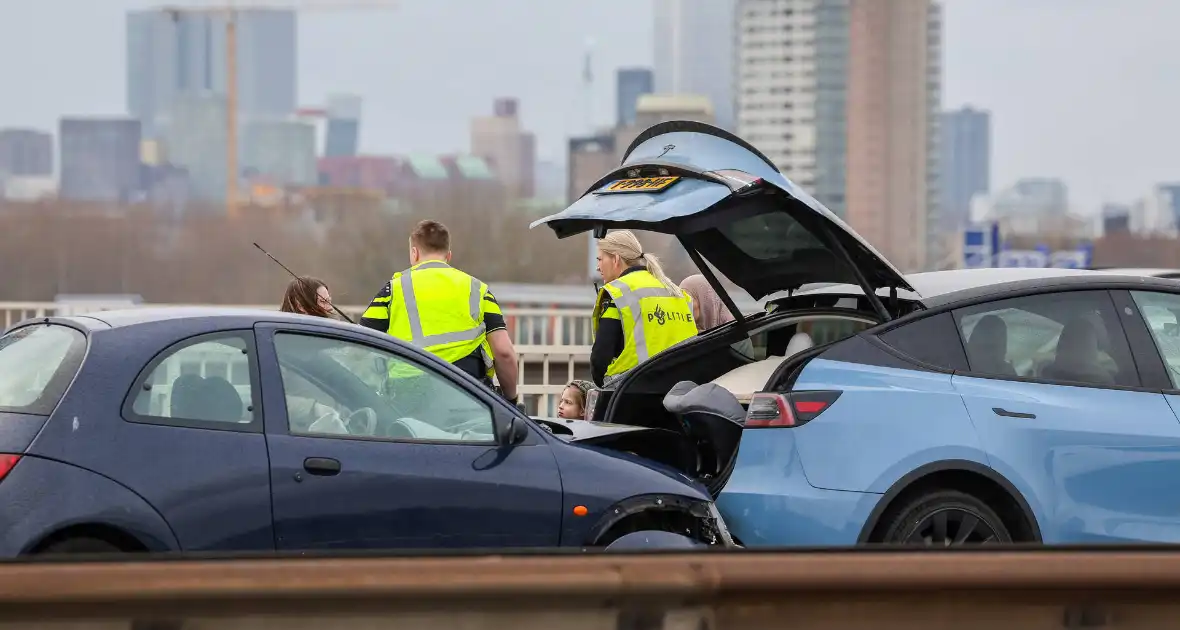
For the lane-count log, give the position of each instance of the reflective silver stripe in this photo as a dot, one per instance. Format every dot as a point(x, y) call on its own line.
point(417, 338)
point(473, 300)
point(629, 298)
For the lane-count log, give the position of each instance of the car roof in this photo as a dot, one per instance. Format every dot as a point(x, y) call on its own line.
point(937, 288)
point(1140, 271)
point(122, 318)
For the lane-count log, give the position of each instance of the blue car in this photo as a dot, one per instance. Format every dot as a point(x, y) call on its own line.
point(181, 429)
point(864, 405)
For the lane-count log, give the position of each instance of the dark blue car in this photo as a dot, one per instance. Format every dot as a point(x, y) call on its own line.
point(234, 430)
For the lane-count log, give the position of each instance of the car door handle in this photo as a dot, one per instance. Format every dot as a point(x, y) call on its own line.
point(321, 465)
point(1000, 411)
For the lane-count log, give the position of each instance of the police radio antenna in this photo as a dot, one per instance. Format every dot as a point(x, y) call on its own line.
point(296, 276)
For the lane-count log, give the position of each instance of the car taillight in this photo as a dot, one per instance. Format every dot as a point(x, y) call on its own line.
point(787, 410)
point(591, 400)
point(6, 464)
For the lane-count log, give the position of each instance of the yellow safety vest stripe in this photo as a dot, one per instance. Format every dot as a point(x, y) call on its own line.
point(629, 298)
point(417, 338)
point(624, 299)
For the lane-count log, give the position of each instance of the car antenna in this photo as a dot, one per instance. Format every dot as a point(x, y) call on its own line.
point(293, 275)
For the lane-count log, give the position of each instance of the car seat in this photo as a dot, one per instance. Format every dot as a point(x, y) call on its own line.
point(220, 401)
point(799, 342)
point(185, 396)
point(987, 347)
point(712, 418)
point(1077, 355)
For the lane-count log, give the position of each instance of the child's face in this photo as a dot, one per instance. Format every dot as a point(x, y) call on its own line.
point(570, 405)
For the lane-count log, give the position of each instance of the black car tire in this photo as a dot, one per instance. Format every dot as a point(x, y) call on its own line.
point(80, 546)
point(957, 510)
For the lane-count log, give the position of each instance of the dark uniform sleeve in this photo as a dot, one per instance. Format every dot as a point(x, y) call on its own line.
point(493, 317)
point(608, 341)
point(377, 315)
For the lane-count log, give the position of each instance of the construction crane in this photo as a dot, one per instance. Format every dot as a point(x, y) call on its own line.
point(230, 12)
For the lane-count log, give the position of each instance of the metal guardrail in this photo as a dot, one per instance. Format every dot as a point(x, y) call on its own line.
point(706, 591)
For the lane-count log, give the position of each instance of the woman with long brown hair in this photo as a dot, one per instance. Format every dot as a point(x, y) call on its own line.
point(308, 296)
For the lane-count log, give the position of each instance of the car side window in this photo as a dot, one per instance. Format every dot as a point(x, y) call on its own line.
point(195, 382)
point(1161, 312)
point(335, 387)
point(933, 340)
point(1068, 337)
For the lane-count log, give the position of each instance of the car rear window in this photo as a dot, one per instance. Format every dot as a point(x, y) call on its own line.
point(37, 364)
point(770, 236)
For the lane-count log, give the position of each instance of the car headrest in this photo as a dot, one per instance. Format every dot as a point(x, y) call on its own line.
point(799, 342)
point(185, 396)
point(221, 401)
point(687, 397)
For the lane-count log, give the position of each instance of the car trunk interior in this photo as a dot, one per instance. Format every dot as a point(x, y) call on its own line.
point(724, 357)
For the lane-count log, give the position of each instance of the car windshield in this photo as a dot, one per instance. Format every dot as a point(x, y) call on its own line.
point(36, 365)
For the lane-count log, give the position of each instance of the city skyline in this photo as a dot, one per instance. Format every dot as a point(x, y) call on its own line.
point(1059, 108)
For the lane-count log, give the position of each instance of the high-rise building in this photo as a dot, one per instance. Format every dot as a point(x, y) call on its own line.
point(175, 53)
point(344, 118)
point(894, 98)
point(791, 86)
point(195, 140)
point(693, 51)
point(282, 152)
point(510, 149)
point(966, 162)
point(792, 89)
point(100, 159)
point(843, 96)
point(630, 84)
point(590, 158)
point(25, 152)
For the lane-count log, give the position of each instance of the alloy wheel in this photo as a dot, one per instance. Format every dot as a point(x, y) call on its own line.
point(952, 527)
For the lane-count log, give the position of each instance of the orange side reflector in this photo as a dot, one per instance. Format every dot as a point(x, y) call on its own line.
point(580, 510)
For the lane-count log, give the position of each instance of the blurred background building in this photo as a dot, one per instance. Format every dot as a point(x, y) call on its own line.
point(512, 152)
point(693, 48)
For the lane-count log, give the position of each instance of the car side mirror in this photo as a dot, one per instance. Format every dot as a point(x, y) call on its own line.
point(515, 432)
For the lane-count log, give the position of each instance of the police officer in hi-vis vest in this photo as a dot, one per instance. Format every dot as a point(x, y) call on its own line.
point(446, 312)
point(639, 313)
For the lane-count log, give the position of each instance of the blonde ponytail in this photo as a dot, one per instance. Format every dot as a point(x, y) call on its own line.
point(625, 245)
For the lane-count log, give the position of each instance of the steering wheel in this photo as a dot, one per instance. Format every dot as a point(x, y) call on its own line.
point(363, 421)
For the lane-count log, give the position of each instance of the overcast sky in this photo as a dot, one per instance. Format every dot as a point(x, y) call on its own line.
point(1085, 90)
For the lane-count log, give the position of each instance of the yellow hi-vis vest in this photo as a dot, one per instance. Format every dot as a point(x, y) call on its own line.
point(654, 318)
point(439, 309)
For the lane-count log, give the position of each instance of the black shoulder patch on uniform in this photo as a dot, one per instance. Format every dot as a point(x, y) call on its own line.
point(386, 290)
point(489, 297)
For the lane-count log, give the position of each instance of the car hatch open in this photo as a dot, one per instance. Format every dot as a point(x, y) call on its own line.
point(728, 205)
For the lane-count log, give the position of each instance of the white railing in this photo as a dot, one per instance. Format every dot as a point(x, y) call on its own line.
point(553, 344)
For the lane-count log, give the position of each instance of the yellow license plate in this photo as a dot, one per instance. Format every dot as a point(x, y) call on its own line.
point(640, 184)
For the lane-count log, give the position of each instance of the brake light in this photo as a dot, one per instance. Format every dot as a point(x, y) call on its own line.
point(769, 410)
point(591, 401)
point(787, 410)
point(6, 464)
